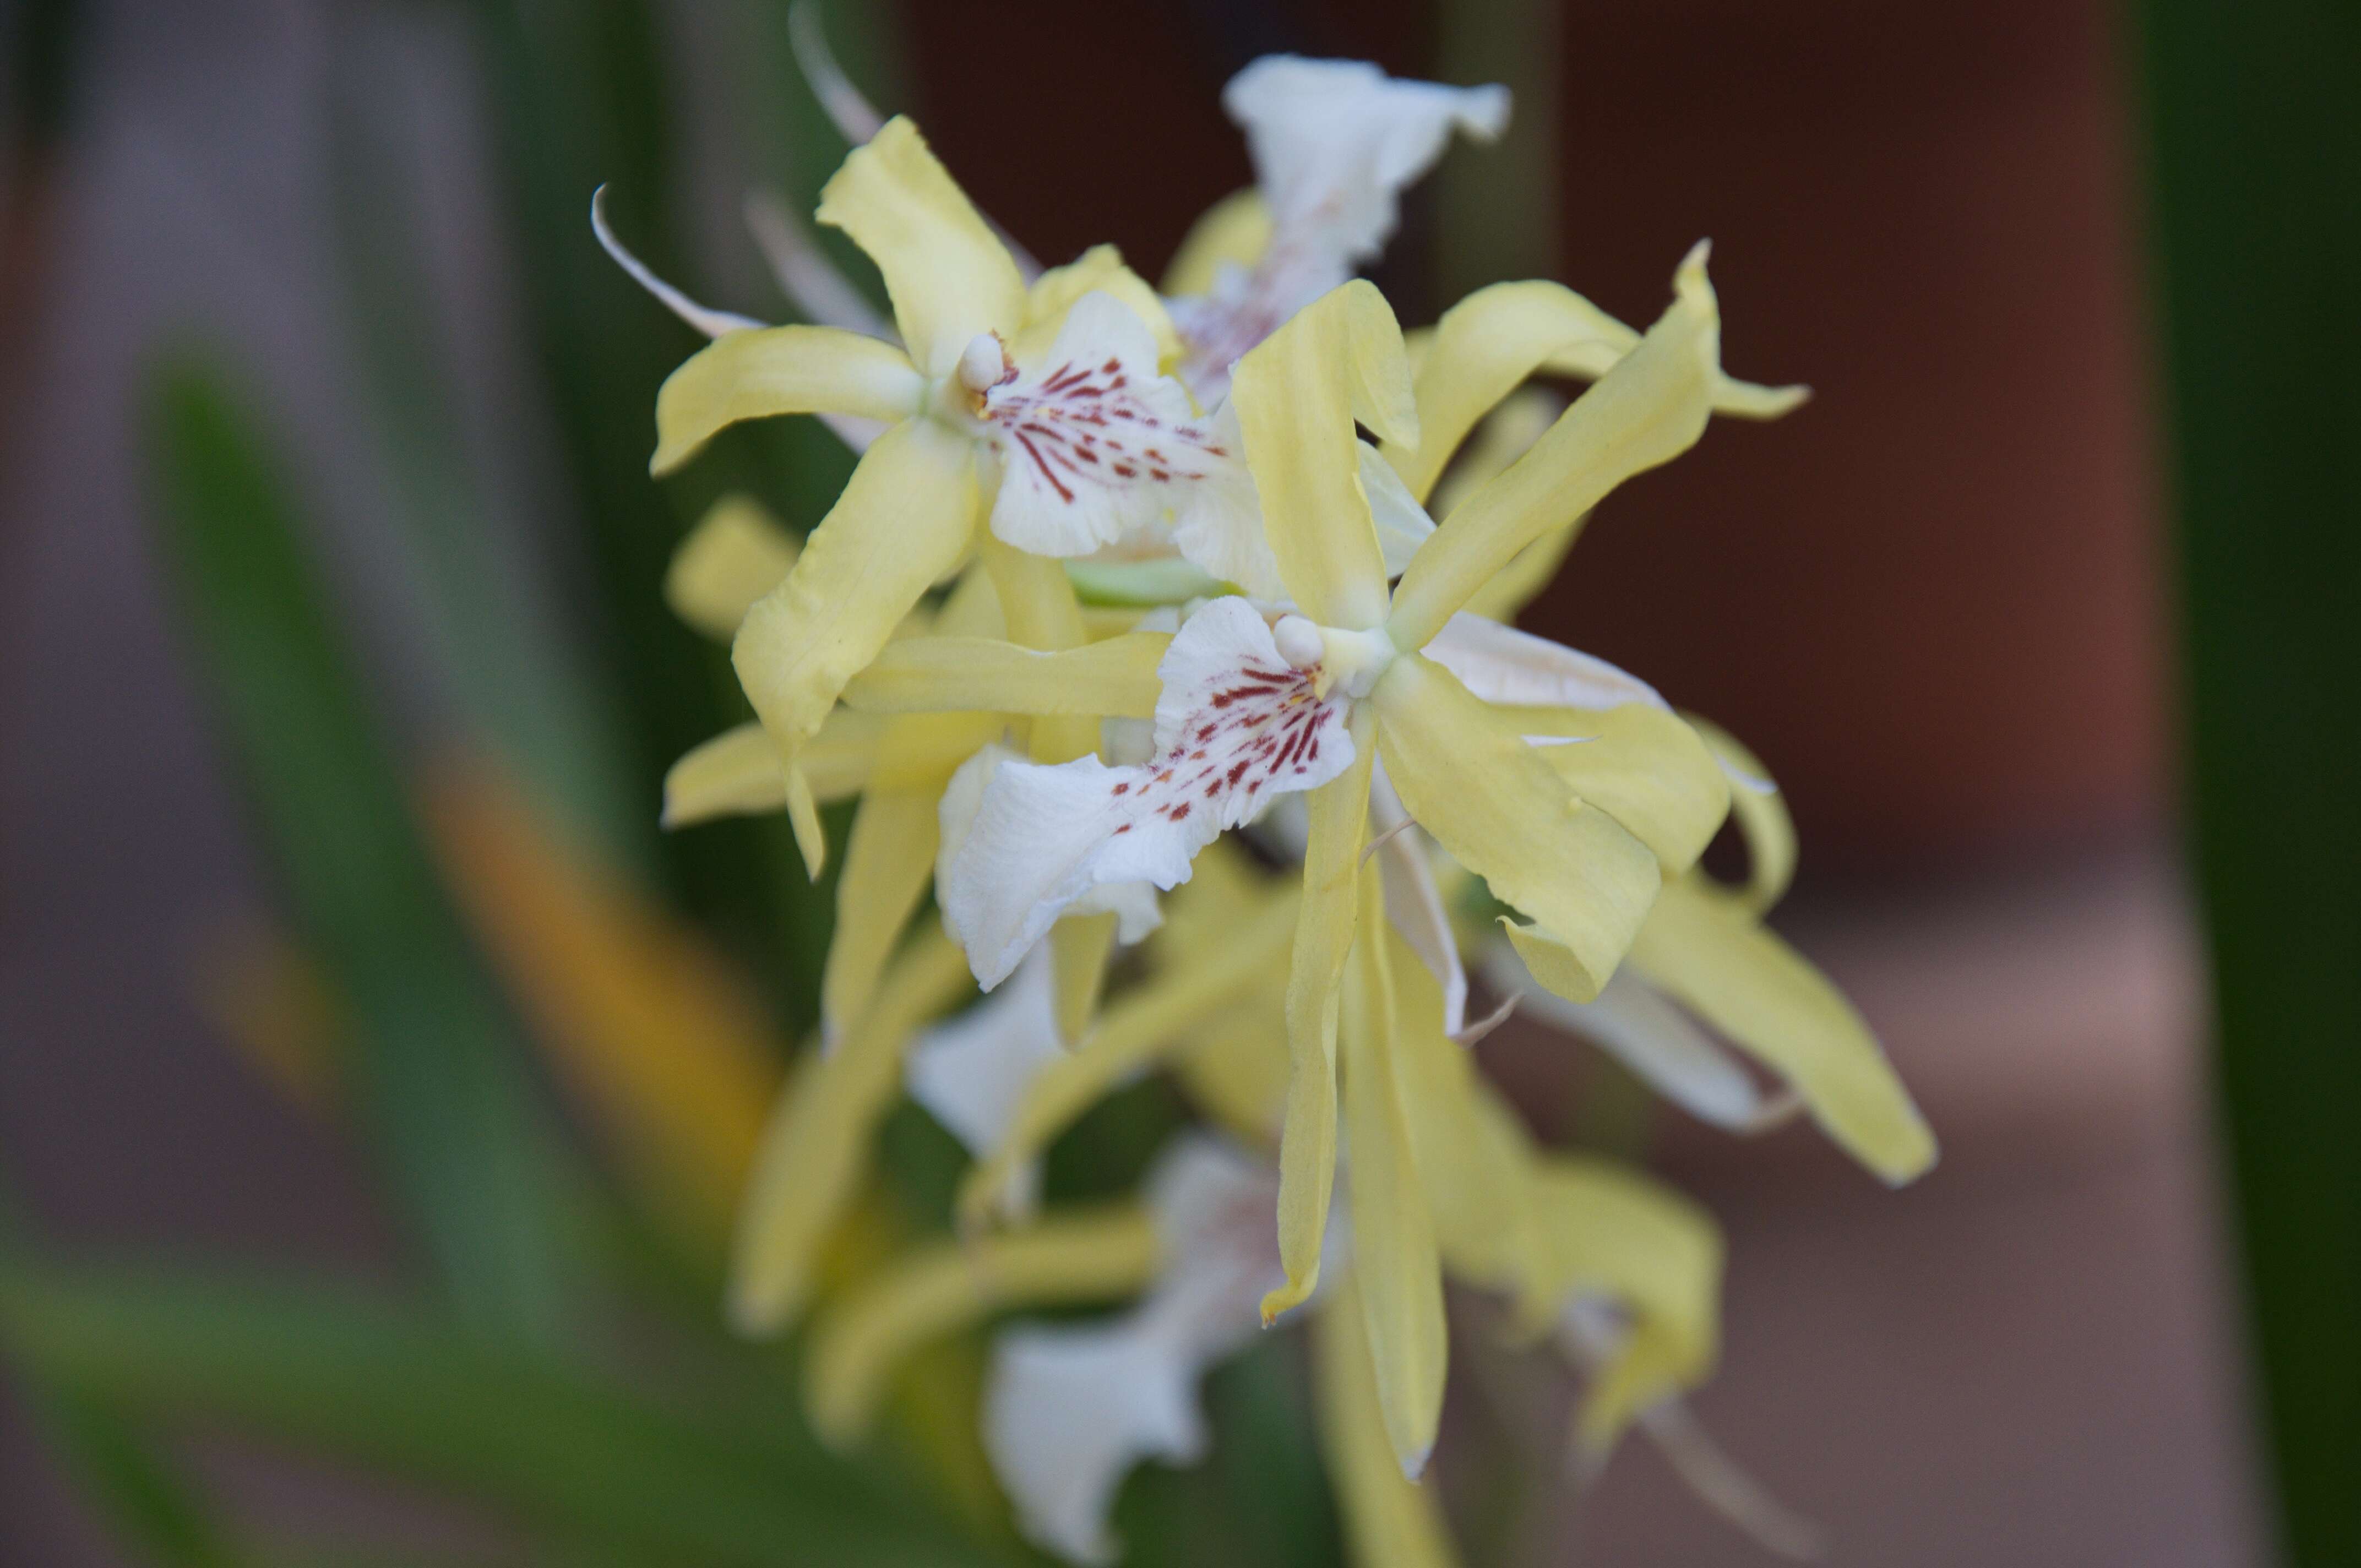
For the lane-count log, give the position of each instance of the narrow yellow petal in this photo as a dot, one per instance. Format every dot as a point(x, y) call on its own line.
point(1041, 611)
point(1323, 936)
point(1708, 952)
point(780, 370)
point(1643, 766)
point(815, 1147)
point(802, 819)
point(1762, 821)
point(1237, 1068)
point(666, 1044)
point(889, 861)
point(948, 274)
point(1498, 805)
point(1145, 1025)
point(1079, 947)
point(734, 555)
point(1112, 677)
point(1234, 230)
point(736, 774)
point(904, 520)
point(1082, 1256)
point(1394, 1257)
point(1390, 1521)
point(1099, 269)
point(1648, 410)
point(1297, 395)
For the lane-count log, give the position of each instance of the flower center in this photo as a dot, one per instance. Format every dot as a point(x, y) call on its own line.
point(1351, 661)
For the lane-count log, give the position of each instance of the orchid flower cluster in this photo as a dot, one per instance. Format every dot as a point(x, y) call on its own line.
point(1218, 754)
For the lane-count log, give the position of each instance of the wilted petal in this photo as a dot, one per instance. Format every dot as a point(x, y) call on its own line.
point(1235, 724)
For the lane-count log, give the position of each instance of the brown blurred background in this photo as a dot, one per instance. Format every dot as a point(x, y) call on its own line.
point(1929, 600)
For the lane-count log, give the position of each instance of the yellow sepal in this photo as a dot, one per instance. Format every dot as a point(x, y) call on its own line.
point(780, 370)
point(1099, 269)
point(735, 555)
point(1390, 1521)
point(1112, 677)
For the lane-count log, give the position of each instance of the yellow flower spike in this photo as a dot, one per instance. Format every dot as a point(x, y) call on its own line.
point(1323, 936)
point(1145, 1025)
point(1499, 809)
point(1297, 397)
point(1642, 765)
point(734, 555)
point(1472, 1151)
point(1081, 1256)
point(773, 370)
point(1112, 677)
point(1394, 1259)
point(949, 276)
point(1762, 821)
point(638, 1016)
point(1708, 950)
point(815, 1146)
point(1101, 269)
point(1233, 231)
point(903, 520)
point(1490, 342)
point(1390, 1521)
point(1649, 408)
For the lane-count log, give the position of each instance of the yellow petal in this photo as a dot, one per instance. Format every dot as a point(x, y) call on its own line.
point(1394, 1257)
point(903, 520)
point(1501, 809)
point(736, 774)
point(949, 276)
point(1648, 410)
point(1297, 395)
point(1472, 1151)
point(1235, 1070)
point(1079, 1257)
point(780, 370)
point(1115, 677)
point(650, 1026)
point(803, 818)
point(1080, 946)
point(1323, 936)
point(1236, 230)
point(1708, 952)
point(1643, 766)
point(1490, 342)
point(1390, 1521)
point(1762, 821)
point(733, 556)
point(1099, 269)
point(889, 861)
point(1040, 609)
point(815, 1148)
point(1147, 1023)
point(1607, 1231)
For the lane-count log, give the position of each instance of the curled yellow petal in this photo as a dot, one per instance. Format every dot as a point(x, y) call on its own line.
point(1390, 1521)
point(948, 274)
point(1112, 677)
point(1297, 395)
point(1643, 766)
point(1234, 230)
point(734, 555)
point(780, 370)
point(1648, 410)
point(1394, 1257)
point(736, 774)
point(1323, 936)
point(815, 1147)
point(1497, 805)
point(1078, 1256)
point(1099, 269)
point(1709, 951)
point(1143, 1026)
point(1762, 821)
point(904, 520)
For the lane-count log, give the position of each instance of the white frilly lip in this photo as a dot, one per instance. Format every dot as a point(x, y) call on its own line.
point(1069, 1411)
point(1234, 725)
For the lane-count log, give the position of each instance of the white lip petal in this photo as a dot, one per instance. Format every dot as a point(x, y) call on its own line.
point(1335, 142)
point(704, 318)
point(1217, 522)
point(1502, 665)
point(972, 1072)
point(1095, 441)
point(1234, 725)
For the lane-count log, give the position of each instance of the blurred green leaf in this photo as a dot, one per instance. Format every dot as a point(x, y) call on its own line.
point(476, 1164)
point(2255, 166)
point(338, 1375)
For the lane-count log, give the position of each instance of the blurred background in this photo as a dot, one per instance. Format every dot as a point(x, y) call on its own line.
point(327, 265)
